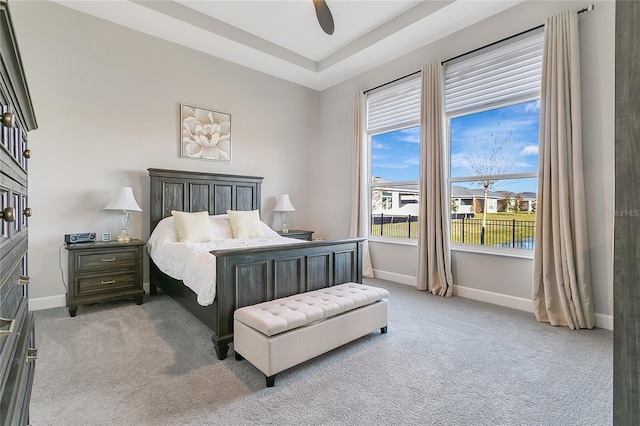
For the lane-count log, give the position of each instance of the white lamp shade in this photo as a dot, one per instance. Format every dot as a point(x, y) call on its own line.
point(284, 204)
point(124, 201)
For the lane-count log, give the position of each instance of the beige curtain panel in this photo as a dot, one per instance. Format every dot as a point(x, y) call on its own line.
point(359, 185)
point(562, 293)
point(434, 264)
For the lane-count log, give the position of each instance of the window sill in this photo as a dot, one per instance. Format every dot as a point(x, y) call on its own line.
point(491, 250)
point(468, 248)
point(396, 241)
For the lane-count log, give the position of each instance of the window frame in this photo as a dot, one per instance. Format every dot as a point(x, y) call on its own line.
point(409, 118)
point(499, 58)
point(385, 184)
point(479, 248)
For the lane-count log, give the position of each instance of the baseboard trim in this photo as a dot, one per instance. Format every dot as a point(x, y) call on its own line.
point(602, 321)
point(40, 303)
point(513, 302)
point(60, 300)
point(396, 278)
point(505, 300)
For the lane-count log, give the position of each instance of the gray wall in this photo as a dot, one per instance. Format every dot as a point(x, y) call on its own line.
point(107, 101)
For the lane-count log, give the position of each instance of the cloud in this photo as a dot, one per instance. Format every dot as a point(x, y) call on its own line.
point(529, 150)
point(459, 160)
point(532, 106)
point(378, 145)
point(391, 166)
point(410, 135)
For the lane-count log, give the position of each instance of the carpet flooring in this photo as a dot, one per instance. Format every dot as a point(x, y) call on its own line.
point(443, 362)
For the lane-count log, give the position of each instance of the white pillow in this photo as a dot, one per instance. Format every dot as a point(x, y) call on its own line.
point(193, 227)
point(245, 224)
point(221, 227)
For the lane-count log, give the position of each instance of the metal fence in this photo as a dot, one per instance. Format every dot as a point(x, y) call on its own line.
point(394, 226)
point(498, 232)
point(503, 233)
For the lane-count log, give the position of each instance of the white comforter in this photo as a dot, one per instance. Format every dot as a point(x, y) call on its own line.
point(191, 262)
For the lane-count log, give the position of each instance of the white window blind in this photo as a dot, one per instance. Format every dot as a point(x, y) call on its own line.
point(394, 107)
point(497, 75)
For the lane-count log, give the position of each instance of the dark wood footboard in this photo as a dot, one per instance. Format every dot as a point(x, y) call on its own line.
point(253, 275)
point(244, 276)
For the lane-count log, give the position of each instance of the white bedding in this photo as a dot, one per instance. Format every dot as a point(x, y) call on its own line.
point(191, 262)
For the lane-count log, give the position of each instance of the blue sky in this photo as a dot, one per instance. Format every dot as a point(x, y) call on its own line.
point(513, 130)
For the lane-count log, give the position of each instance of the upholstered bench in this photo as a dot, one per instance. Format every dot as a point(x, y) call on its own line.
point(281, 333)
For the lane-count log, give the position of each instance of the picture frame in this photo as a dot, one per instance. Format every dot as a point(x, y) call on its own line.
point(205, 134)
point(106, 236)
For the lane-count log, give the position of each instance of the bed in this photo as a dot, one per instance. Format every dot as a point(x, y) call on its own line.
point(250, 275)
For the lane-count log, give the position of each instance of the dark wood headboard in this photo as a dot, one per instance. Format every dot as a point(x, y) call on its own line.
point(200, 191)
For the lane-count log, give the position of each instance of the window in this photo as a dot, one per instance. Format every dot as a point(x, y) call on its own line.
point(492, 103)
point(393, 118)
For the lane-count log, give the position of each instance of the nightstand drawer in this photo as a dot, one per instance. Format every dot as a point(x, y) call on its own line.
point(88, 285)
point(104, 271)
point(106, 260)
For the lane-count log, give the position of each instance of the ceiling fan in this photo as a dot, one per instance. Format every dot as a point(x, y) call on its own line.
point(325, 19)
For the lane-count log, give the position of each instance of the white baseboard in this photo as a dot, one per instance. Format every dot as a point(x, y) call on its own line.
point(519, 303)
point(40, 303)
point(602, 321)
point(59, 300)
point(494, 298)
point(396, 278)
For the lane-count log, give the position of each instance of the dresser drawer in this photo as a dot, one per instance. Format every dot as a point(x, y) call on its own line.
point(10, 340)
point(104, 271)
point(93, 284)
point(18, 381)
point(108, 259)
point(12, 287)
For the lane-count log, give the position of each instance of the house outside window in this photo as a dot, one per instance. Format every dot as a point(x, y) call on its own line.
point(492, 103)
point(393, 118)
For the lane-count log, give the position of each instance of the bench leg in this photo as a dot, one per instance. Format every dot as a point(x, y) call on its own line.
point(383, 330)
point(271, 380)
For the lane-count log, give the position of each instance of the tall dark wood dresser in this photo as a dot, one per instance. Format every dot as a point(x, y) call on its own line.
point(17, 336)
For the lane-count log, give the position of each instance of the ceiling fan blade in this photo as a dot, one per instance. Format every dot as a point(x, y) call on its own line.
point(325, 18)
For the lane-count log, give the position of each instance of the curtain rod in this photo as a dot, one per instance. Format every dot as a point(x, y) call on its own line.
point(585, 9)
point(392, 81)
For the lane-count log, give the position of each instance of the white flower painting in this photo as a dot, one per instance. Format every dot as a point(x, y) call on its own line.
point(205, 134)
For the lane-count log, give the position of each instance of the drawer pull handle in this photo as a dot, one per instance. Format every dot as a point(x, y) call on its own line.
point(26, 153)
point(8, 119)
point(32, 355)
point(27, 212)
point(8, 214)
point(108, 282)
point(24, 280)
point(3, 323)
point(111, 259)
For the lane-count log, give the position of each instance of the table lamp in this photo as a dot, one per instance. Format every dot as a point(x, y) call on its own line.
point(125, 202)
point(284, 205)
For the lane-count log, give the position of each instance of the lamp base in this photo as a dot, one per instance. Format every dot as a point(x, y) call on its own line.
point(284, 229)
point(123, 237)
point(125, 219)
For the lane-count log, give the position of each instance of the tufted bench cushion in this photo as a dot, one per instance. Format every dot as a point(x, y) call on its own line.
point(281, 333)
point(280, 315)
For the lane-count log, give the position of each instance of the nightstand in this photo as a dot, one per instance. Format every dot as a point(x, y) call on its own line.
point(298, 234)
point(102, 271)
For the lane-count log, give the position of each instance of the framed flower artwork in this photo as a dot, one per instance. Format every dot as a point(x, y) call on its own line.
point(205, 134)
